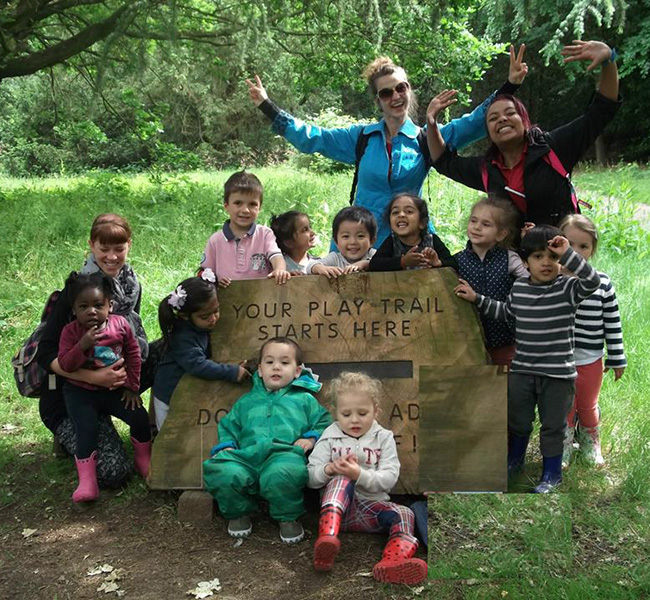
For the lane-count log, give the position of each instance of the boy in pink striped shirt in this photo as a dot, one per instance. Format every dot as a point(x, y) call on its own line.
point(243, 249)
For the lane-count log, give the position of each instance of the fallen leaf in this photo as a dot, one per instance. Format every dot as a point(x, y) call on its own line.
point(116, 575)
point(108, 586)
point(99, 569)
point(205, 589)
point(238, 543)
point(28, 532)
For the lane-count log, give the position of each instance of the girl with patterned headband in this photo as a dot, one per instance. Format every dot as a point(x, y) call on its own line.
point(186, 317)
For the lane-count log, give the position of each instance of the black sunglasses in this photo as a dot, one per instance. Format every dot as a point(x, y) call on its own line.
point(400, 88)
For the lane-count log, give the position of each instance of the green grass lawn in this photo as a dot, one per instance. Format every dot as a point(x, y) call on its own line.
point(590, 542)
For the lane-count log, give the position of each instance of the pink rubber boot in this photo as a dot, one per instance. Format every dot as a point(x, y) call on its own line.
point(397, 564)
point(141, 457)
point(87, 490)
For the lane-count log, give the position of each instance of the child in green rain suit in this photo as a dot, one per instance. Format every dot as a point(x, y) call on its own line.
point(263, 441)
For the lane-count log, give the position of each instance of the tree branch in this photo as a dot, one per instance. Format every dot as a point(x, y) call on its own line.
point(26, 65)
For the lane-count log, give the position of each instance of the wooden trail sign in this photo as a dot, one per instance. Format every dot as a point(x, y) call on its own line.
point(386, 324)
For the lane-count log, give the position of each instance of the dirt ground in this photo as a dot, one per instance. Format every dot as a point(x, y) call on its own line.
point(154, 556)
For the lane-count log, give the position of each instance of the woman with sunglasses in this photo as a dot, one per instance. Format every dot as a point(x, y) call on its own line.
point(394, 160)
point(529, 166)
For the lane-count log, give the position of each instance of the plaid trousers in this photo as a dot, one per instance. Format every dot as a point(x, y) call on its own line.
point(361, 514)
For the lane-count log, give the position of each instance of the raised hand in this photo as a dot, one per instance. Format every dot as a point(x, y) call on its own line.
point(518, 68)
point(439, 103)
point(593, 51)
point(256, 91)
point(559, 245)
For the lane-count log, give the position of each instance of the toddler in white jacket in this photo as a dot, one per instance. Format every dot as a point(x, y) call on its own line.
point(355, 461)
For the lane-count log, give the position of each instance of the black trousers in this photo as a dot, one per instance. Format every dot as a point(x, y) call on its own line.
point(553, 398)
point(84, 408)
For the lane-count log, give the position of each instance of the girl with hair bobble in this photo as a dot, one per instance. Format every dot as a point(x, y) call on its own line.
point(411, 245)
point(390, 154)
point(355, 461)
point(186, 317)
point(598, 323)
point(296, 238)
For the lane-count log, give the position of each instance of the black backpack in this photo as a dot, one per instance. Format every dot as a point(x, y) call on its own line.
point(360, 148)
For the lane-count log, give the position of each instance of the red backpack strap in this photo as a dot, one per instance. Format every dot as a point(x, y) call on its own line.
point(484, 175)
point(556, 164)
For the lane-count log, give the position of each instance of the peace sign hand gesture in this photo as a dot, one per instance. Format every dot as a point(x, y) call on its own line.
point(518, 69)
point(256, 91)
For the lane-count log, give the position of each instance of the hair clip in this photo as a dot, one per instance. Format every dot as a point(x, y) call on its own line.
point(208, 275)
point(177, 298)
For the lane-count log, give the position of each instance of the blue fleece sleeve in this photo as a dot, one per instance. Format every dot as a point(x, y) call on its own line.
point(337, 144)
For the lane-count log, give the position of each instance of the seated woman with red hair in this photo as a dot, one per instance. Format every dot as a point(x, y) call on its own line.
point(529, 166)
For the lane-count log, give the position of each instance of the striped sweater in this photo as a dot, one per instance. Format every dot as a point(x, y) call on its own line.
point(543, 316)
point(598, 321)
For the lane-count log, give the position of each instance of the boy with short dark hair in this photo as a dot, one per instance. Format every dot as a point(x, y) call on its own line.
point(263, 441)
point(354, 231)
point(542, 309)
point(243, 249)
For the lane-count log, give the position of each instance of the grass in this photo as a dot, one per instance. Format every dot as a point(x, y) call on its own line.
point(589, 542)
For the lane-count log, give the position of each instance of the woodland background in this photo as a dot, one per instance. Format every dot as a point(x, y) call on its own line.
point(148, 84)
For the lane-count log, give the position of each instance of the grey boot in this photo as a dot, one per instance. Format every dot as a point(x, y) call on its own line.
point(567, 451)
point(590, 445)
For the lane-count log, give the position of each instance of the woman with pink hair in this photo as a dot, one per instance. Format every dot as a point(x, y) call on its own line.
point(529, 166)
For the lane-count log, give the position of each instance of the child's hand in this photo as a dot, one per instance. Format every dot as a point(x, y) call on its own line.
point(305, 444)
point(281, 276)
point(131, 399)
point(438, 104)
point(526, 228)
point(559, 245)
point(90, 338)
point(329, 272)
point(351, 269)
point(432, 256)
point(618, 372)
point(348, 467)
point(242, 373)
point(413, 258)
point(224, 282)
point(256, 91)
point(464, 290)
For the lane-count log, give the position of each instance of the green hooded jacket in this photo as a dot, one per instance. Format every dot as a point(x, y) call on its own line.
point(280, 417)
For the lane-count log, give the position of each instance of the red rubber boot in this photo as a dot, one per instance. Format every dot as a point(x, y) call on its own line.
point(141, 457)
point(397, 564)
point(87, 490)
point(327, 545)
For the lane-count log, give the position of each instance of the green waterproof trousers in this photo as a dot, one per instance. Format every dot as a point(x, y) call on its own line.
point(271, 469)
